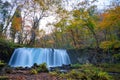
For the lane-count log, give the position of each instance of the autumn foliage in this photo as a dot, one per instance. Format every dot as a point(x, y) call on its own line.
point(16, 24)
point(81, 27)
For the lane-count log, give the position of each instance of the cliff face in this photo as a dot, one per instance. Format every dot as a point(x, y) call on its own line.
point(91, 55)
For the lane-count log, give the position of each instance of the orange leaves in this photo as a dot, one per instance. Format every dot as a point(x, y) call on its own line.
point(16, 24)
point(111, 18)
point(104, 23)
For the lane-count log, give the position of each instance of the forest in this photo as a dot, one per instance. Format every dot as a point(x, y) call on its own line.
point(79, 26)
point(83, 26)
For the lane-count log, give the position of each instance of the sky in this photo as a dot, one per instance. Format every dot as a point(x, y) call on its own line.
point(103, 3)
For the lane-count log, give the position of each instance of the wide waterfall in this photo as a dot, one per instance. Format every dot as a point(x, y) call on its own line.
point(26, 57)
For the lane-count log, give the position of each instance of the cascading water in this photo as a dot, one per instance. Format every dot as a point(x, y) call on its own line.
point(26, 57)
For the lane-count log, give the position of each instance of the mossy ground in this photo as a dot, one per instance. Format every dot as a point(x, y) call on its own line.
point(77, 71)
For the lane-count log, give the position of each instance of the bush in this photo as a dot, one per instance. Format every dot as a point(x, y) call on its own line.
point(42, 68)
point(33, 71)
point(103, 76)
point(39, 68)
point(73, 75)
point(106, 45)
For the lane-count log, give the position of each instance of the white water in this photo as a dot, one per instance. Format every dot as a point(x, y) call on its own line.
point(26, 57)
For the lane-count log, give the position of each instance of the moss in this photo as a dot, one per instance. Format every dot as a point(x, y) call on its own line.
point(110, 67)
point(4, 78)
point(76, 66)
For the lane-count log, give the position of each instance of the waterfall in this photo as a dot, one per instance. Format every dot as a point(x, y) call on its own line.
point(26, 57)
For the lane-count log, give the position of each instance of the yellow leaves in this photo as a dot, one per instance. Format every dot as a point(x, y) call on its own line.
point(79, 14)
point(16, 24)
point(116, 44)
point(76, 13)
point(74, 23)
point(105, 45)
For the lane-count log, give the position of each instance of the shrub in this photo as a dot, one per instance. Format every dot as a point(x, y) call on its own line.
point(33, 71)
point(42, 68)
point(73, 75)
point(106, 45)
point(103, 76)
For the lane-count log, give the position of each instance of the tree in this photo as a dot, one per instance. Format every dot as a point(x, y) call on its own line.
point(110, 23)
point(82, 20)
point(16, 24)
point(43, 9)
point(4, 13)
